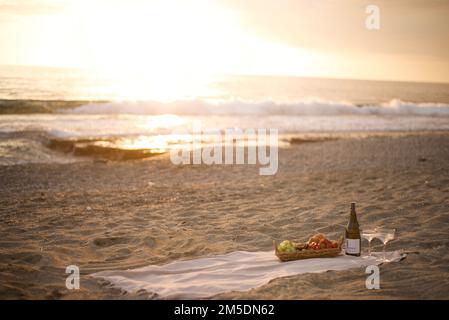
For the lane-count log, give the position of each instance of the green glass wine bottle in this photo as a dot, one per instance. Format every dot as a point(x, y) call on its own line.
point(352, 238)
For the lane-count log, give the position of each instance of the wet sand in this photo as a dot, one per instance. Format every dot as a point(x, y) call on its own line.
point(102, 215)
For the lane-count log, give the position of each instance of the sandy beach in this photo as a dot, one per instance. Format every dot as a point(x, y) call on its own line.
point(105, 215)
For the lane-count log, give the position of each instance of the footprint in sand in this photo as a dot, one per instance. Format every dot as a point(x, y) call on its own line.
point(25, 257)
point(149, 241)
point(110, 241)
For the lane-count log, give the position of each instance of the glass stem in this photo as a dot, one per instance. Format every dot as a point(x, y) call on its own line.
point(384, 254)
point(369, 248)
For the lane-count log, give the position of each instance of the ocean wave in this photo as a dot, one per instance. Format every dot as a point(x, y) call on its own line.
point(240, 107)
point(28, 147)
point(29, 106)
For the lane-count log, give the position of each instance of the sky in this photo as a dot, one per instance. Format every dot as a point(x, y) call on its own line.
point(316, 38)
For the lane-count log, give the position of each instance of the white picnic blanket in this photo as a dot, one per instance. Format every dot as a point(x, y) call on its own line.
point(236, 271)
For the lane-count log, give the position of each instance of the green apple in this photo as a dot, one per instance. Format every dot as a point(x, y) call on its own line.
point(286, 246)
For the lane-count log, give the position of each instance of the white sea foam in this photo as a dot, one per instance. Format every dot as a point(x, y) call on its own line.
point(241, 107)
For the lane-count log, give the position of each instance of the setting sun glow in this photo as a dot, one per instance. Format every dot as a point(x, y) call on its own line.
point(163, 50)
point(170, 49)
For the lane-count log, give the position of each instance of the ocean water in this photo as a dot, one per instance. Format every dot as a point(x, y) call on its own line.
point(50, 114)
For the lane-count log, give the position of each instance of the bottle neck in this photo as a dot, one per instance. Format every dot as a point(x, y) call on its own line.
point(353, 217)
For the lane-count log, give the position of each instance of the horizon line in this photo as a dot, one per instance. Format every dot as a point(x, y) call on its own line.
point(252, 75)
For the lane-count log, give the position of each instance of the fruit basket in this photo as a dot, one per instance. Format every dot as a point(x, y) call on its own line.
point(304, 251)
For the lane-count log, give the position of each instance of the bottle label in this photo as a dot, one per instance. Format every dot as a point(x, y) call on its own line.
point(353, 246)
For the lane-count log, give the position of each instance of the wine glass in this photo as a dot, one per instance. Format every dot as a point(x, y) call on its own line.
point(369, 235)
point(385, 235)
